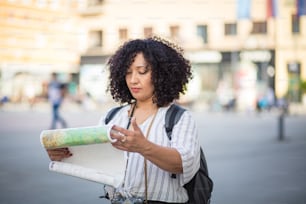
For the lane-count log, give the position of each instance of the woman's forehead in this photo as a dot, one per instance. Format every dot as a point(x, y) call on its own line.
point(139, 61)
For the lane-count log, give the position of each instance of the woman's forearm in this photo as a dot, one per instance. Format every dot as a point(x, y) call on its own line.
point(165, 158)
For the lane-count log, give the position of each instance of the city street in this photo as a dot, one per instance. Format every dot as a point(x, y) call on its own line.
point(247, 162)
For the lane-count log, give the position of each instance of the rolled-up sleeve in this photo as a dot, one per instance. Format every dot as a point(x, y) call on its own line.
point(185, 140)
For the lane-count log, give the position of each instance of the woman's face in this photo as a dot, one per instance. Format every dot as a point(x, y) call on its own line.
point(138, 79)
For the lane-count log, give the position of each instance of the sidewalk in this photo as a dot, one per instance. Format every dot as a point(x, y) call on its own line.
point(246, 161)
point(68, 106)
point(297, 109)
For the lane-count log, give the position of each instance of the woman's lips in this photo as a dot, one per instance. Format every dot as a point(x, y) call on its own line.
point(135, 90)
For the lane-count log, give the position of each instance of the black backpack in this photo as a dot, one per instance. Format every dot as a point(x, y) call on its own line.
point(200, 187)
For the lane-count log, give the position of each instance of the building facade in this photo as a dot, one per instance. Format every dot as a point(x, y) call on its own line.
point(36, 38)
point(239, 50)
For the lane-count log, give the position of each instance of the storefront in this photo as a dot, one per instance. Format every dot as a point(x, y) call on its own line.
point(23, 82)
point(94, 78)
point(247, 76)
point(206, 71)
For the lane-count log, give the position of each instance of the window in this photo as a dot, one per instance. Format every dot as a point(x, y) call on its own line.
point(147, 32)
point(174, 32)
point(295, 24)
point(294, 81)
point(259, 27)
point(95, 38)
point(26, 2)
point(230, 29)
point(41, 3)
point(55, 4)
point(123, 34)
point(94, 2)
point(202, 33)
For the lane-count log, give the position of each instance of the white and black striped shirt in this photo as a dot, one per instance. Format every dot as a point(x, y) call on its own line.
point(161, 186)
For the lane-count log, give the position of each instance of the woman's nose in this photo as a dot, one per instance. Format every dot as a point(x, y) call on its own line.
point(134, 78)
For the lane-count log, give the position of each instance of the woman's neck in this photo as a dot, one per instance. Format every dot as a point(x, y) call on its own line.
point(146, 105)
point(142, 111)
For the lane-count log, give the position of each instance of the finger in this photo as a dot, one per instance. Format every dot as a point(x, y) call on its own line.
point(134, 124)
point(59, 157)
point(56, 158)
point(119, 146)
point(59, 154)
point(121, 130)
point(124, 139)
point(64, 149)
point(59, 151)
point(117, 135)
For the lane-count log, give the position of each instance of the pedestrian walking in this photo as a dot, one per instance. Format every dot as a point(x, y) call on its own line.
point(56, 92)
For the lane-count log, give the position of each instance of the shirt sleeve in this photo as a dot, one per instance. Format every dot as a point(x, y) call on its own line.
point(185, 140)
point(102, 119)
point(120, 119)
point(108, 126)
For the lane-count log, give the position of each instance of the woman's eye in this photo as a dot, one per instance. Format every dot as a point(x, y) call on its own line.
point(143, 71)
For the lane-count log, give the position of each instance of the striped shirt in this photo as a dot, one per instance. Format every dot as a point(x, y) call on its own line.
point(161, 186)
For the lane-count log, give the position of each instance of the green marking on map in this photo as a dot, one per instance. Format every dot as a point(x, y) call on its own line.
point(74, 136)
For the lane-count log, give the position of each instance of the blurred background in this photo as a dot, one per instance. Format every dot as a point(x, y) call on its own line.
point(248, 94)
point(246, 55)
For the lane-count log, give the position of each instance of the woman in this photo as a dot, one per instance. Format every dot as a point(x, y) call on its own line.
point(148, 75)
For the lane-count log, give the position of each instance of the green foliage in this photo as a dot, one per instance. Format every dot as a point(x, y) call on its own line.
point(303, 86)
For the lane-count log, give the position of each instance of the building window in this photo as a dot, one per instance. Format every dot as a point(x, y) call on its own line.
point(175, 32)
point(26, 2)
point(123, 34)
point(259, 27)
point(202, 33)
point(55, 4)
point(148, 32)
point(294, 81)
point(295, 24)
point(94, 2)
point(95, 38)
point(41, 3)
point(230, 29)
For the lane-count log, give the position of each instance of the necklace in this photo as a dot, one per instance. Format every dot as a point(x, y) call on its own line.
point(145, 160)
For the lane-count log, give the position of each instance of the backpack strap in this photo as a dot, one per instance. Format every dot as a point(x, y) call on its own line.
point(173, 115)
point(111, 114)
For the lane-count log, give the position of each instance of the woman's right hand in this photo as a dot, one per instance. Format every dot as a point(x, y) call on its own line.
point(59, 153)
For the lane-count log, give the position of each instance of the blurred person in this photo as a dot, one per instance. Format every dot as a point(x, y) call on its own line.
point(148, 75)
point(56, 92)
point(30, 94)
point(72, 89)
point(3, 100)
point(266, 101)
point(283, 105)
point(270, 98)
point(225, 96)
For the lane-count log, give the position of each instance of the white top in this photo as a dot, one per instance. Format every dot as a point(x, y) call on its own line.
point(161, 186)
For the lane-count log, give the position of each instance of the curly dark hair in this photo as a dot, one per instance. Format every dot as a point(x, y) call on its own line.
point(170, 70)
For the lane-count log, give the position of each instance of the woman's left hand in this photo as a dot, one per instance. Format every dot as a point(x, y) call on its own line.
point(128, 140)
point(165, 158)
